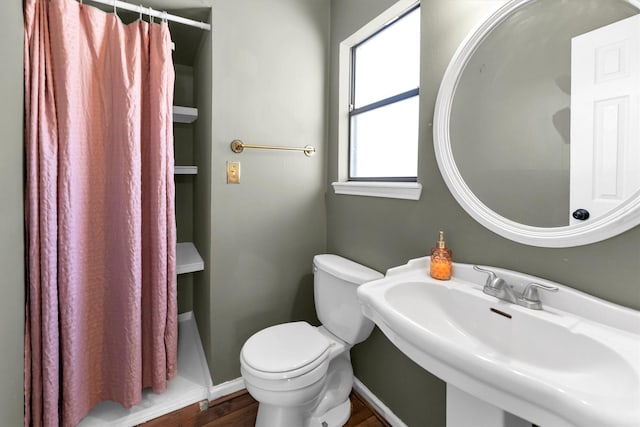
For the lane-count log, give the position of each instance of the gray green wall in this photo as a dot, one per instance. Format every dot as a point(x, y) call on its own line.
point(260, 76)
point(382, 233)
point(269, 87)
point(11, 226)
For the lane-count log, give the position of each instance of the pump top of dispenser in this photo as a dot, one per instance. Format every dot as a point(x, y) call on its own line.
point(441, 244)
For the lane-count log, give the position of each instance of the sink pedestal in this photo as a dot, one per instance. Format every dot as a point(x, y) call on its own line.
point(464, 410)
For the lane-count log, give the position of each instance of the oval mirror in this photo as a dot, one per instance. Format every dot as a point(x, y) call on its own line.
point(535, 128)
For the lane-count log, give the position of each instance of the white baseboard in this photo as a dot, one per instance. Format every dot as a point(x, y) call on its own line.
point(226, 388)
point(377, 404)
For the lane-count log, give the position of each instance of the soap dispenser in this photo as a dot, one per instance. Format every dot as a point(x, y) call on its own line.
point(441, 260)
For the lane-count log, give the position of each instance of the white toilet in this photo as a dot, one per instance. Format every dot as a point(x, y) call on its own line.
point(301, 375)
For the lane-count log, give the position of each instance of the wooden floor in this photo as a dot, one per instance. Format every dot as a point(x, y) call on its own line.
point(240, 410)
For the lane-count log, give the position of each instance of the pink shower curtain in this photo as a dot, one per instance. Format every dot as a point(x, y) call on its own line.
point(101, 296)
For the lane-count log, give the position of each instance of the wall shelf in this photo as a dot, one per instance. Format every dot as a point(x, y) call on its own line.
point(188, 259)
point(184, 114)
point(185, 170)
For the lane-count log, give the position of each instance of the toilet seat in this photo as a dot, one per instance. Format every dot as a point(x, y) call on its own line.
point(285, 351)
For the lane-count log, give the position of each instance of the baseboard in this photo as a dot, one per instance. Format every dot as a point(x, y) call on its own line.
point(226, 388)
point(377, 404)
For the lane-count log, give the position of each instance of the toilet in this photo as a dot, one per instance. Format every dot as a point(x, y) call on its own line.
point(301, 375)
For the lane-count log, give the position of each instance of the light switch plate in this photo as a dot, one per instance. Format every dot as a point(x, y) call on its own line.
point(233, 172)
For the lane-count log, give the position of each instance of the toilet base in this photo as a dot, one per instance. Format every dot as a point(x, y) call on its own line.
point(336, 417)
point(270, 415)
point(324, 403)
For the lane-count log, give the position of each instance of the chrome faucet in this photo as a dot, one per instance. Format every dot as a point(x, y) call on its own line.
point(531, 299)
point(498, 287)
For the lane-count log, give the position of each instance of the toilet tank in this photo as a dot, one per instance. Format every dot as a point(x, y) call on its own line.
point(335, 282)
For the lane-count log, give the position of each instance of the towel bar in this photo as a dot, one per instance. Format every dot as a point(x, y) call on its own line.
point(238, 146)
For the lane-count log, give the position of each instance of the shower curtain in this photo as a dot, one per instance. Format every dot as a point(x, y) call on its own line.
point(101, 321)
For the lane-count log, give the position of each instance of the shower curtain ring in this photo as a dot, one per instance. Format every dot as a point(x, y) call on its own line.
point(151, 20)
point(141, 8)
point(115, 9)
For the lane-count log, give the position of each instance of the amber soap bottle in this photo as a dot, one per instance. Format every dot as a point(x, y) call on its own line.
point(441, 260)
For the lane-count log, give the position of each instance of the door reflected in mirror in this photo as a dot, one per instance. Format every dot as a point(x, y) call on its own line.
point(505, 123)
point(519, 141)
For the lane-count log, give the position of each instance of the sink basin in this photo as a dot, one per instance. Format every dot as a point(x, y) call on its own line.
point(574, 363)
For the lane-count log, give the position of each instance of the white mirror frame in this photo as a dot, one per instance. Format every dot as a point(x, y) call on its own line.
point(618, 220)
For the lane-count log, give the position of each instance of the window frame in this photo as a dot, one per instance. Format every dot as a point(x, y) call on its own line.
point(342, 186)
point(353, 111)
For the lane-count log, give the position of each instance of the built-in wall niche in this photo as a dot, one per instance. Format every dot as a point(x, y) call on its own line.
point(188, 259)
point(185, 116)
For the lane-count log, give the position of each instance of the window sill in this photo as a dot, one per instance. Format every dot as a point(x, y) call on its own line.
point(390, 190)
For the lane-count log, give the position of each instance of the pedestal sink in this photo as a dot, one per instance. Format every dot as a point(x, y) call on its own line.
point(574, 363)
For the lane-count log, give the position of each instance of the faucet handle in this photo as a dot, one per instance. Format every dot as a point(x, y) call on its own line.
point(530, 297)
point(493, 281)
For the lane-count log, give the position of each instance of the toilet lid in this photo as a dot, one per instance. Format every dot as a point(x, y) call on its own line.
point(284, 347)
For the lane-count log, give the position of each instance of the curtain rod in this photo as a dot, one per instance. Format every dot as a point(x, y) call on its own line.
point(155, 13)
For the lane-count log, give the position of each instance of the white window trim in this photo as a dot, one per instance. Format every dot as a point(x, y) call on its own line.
point(394, 190)
point(388, 189)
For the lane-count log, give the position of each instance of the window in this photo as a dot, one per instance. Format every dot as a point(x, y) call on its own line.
point(383, 102)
